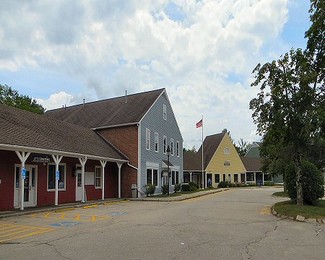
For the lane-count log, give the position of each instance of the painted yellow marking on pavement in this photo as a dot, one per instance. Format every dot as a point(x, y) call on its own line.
point(72, 217)
point(90, 206)
point(265, 210)
point(64, 210)
point(10, 231)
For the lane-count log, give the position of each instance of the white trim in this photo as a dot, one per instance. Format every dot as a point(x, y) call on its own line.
point(139, 158)
point(148, 143)
point(17, 191)
point(47, 177)
point(152, 164)
point(101, 177)
point(172, 147)
point(56, 152)
point(165, 148)
point(156, 142)
point(164, 112)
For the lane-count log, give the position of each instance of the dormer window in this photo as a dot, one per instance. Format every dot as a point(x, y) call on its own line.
point(164, 112)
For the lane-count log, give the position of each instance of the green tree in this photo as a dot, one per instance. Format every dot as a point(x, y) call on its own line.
point(289, 109)
point(11, 97)
point(242, 147)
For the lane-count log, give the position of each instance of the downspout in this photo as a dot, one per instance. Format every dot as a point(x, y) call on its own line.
point(139, 160)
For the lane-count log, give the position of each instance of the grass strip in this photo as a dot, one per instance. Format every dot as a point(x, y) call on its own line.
point(290, 209)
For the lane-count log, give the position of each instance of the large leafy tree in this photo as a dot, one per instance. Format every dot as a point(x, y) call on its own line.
point(11, 97)
point(289, 109)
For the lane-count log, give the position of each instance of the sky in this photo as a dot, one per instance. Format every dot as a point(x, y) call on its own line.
point(202, 52)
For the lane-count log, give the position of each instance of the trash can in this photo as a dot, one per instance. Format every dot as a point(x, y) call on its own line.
point(134, 191)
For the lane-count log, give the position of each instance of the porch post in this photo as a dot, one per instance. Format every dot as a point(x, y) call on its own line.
point(103, 163)
point(263, 178)
point(191, 176)
point(57, 159)
point(255, 178)
point(22, 157)
point(119, 165)
point(83, 163)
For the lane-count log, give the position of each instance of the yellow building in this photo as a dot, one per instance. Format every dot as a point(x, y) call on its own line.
point(221, 160)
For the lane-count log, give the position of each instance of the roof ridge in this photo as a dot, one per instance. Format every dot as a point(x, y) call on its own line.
point(106, 99)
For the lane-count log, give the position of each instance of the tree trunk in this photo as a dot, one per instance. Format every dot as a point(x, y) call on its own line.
point(300, 197)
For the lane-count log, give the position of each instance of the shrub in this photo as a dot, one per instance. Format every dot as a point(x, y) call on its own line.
point(268, 183)
point(193, 186)
point(149, 189)
point(186, 187)
point(165, 189)
point(177, 187)
point(223, 184)
point(312, 183)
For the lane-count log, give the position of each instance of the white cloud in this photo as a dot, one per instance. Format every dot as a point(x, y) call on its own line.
point(204, 59)
point(56, 100)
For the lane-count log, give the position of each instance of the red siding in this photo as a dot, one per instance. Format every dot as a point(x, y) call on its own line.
point(7, 169)
point(8, 160)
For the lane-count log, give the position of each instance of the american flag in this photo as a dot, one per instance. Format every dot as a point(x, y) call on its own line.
point(199, 124)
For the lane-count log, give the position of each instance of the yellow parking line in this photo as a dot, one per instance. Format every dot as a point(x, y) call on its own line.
point(266, 210)
point(15, 231)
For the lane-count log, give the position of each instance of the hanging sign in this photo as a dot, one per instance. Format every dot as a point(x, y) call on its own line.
point(57, 175)
point(23, 173)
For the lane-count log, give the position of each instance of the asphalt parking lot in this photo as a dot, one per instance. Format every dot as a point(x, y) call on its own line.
point(234, 224)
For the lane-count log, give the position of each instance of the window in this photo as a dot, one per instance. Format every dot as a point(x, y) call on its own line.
point(98, 177)
point(152, 176)
point(156, 142)
point(177, 149)
point(172, 147)
point(236, 177)
point(175, 177)
point(226, 151)
point(216, 178)
point(226, 163)
point(147, 139)
point(17, 177)
point(51, 177)
point(165, 144)
point(164, 112)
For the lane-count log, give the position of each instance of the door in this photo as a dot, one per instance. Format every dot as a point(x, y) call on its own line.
point(30, 186)
point(78, 186)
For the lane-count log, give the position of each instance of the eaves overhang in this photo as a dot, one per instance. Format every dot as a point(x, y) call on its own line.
point(9, 147)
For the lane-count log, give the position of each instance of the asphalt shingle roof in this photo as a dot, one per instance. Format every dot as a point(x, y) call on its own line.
point(109, 112)
point(210, 145)
point(22, 128)
point(252, 164)
point(192, 161)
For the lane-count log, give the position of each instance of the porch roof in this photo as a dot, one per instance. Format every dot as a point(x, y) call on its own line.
point(25, 131)
point(252, 164)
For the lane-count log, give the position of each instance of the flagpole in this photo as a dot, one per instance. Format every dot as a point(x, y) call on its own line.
point(203, 179)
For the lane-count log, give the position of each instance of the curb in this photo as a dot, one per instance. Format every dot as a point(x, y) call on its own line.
point(178, 198)
point(298, 218)
point(59, 208)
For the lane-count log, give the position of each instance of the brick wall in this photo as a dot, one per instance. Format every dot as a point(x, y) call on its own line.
point(126, 140)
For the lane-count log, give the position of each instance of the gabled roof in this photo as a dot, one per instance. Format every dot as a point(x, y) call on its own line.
point(252, 164)
point(28, 131)
point(192, 161)
point(117, 111)
point(254, 151)
point(210, 145)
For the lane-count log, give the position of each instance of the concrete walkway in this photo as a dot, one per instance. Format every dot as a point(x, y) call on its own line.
point(18, 212)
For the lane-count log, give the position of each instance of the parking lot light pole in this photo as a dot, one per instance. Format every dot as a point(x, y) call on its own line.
point(168, 154)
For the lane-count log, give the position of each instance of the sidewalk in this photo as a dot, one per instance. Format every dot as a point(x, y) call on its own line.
point(18, 212)
point(180, 197)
